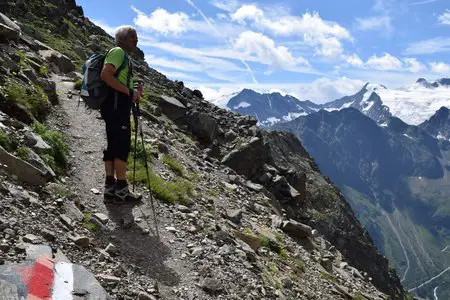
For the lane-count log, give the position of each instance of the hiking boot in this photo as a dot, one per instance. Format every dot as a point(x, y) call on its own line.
point(109, 193)
point(124, 196)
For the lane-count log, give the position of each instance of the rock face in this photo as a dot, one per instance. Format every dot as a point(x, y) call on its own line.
point(172, 108)
point(203, 126)
point(23, 170)
point(63, 63)
point(248, 159)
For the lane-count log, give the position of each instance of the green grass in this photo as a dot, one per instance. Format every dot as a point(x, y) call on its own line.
point(174, 165)
point(8, 142)
point(358, 296)
point(32, 97)
point(329, 277)
point(91, 226)
point(22, 153)
point(78, 84)
point(57, 159)
point(43, 70)
point(175, 191)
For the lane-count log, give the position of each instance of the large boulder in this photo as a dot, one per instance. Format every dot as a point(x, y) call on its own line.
point(55, 278)
point(282, 190)
point(7, 33)
point(172, 108)
point(36, 142)
point(23, 170)
point(202, 125)
point(8, 29)
point(63, 63)
point(296, 229)
point(15, 110)
point(248, 159)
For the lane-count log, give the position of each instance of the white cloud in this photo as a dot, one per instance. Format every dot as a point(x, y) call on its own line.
point(226, 5)
point(423, 2)
point(375, 23)
point(386, 62)
point(175, 64)
point(325, 36)
point(439, 67)
point(413, 65)
point(254, 43)
point(107, 28)
point(177, 75)
point(354, 60)
point(430, 46)
point(445, 18)
point(162, 21)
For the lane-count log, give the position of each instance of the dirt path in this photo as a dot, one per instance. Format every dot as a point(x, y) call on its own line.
point(144, 253)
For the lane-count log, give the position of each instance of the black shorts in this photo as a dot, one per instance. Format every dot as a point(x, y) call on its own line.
point(118, 127)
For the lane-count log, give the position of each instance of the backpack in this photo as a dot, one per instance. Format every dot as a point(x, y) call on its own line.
point(93, 89)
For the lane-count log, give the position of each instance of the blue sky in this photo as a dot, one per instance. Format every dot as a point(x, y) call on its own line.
point(313, 49)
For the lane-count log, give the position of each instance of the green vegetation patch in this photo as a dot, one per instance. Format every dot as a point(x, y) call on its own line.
point(8, 142)
point(32, 97)
point(88, 224)
point(174, 165)
point(57, 159)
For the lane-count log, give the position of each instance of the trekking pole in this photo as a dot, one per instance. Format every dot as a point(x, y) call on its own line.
point(136, 120)
point(144, 153)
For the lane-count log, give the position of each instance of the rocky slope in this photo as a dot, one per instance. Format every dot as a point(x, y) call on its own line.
point(232, 202)
point(396, 179)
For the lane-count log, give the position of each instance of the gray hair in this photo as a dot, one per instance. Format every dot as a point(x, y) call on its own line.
point(122, 33)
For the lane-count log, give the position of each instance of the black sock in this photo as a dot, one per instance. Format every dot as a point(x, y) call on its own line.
point(121, 183)
point(110, 180)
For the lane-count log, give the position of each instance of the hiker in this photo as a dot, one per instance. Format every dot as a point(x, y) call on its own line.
point(115, 110)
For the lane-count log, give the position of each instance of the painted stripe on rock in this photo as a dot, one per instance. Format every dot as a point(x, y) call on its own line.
point(41, 280)
point(63, 282)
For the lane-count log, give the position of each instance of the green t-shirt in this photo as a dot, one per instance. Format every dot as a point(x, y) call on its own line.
point(116, 57)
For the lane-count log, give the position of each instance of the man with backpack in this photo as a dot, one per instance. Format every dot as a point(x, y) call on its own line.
point(115, 110)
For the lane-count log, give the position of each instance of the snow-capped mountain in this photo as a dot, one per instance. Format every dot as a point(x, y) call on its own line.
point(438, 125)
point(269, 109)
point(413, 104)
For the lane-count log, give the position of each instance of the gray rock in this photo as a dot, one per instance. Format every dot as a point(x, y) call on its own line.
point(8, 22)
point(24, 171)
point(211, 285)
point(327, 264)
point(35, 160)
point(254, 186)
point(234, 215)
point(111, 249)
point(163, 148)
point(172, 108)
point(202, 125)
point(145, 296)
point(63, 63)
point(82, 241)
point(230, 135)
point(248, 159)
point(297, 229)
point(187, 93)
point(31, 238)
point(48, 235)
point(102, 218)
point(66, 221)
point(108, 278)
point(183, 209)
point(8, 33)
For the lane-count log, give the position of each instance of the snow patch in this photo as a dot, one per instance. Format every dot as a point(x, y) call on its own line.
point(271, 121)
point(345, 105)
point(242, 104)
point(292, 116)
point(415, 103)
point(222, 101)
point(407, 136)
point(440, 136)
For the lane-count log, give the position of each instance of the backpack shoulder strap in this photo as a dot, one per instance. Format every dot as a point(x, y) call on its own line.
point(123, 65)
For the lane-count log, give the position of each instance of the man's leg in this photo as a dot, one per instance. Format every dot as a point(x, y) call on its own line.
point(108, 158)
point(109, 168)
point(120, 167)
